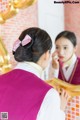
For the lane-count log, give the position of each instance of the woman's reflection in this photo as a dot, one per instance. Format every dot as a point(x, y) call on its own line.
point(66, 65)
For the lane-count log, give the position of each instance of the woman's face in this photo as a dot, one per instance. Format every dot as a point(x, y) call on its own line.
point(65, 49)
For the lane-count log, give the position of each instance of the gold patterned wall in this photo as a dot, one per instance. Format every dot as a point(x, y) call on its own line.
point(12, 8)
point(11, 29)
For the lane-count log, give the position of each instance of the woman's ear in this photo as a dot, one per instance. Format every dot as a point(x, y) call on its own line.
point(43, 61)
point(47, 55)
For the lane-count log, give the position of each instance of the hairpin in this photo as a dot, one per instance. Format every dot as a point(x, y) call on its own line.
point(27, 39)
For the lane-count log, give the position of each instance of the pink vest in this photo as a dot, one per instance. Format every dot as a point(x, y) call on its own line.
point(75, 76)
point(21, 94)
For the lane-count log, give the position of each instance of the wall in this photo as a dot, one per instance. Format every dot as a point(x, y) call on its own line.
point(72, 20)
point(11, 30)
point(50, 18)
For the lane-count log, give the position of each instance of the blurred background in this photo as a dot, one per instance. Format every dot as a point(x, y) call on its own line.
point(43, 13)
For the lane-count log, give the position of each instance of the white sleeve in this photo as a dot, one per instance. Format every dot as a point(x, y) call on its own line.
point(50, 107)
point(55, 73)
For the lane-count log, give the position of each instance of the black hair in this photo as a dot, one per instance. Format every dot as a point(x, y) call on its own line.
point(69, 35)
point(40, 43)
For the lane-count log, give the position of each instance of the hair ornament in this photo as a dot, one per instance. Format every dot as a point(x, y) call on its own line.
point(27, 39)
point(16, 45)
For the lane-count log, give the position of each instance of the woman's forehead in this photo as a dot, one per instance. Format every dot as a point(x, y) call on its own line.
point(63, 41)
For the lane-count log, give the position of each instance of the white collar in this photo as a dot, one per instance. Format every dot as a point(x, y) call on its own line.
point(30, 67)
point(74, 58)
point(67, 73)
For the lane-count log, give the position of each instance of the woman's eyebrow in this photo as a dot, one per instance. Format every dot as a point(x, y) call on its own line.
point(62, 45)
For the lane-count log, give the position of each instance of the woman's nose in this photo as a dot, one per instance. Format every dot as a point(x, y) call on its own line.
point(61, 52)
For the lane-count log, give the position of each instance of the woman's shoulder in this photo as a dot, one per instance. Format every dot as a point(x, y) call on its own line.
point(52, 94)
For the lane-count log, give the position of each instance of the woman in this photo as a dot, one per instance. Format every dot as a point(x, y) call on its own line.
point(66, 66)
point(64, 60)
point(23, 94)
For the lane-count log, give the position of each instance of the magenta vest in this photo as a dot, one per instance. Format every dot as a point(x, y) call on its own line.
point(75, 76)
point(21, 94)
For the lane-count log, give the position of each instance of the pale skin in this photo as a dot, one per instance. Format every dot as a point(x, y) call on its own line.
point(43, 62)
point(64, 51)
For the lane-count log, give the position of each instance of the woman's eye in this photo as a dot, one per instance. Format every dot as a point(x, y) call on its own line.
point(65, 48)
point(57, 47)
